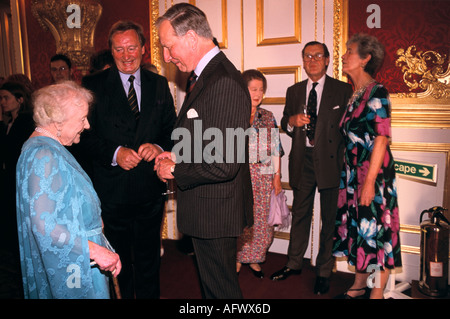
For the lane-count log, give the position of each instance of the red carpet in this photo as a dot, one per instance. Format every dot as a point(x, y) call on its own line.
point(179, 279)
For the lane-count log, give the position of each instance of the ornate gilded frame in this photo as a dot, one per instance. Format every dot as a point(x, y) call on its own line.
point(224, 43)
point(20, 38)
point(428, 109)
point(296, 70)
point(295, 38)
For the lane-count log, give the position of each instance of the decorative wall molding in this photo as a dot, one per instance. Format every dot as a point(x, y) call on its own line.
point(443, 148)
point(427, 103)
point(76, 42)
point(223, 43)
point(295, 38)
point(296, 71)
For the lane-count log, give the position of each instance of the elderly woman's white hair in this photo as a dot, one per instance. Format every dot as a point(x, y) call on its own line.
point(51, 103)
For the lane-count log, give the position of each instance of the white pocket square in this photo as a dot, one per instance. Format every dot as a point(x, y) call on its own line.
point(336, 107)
point(191, 114)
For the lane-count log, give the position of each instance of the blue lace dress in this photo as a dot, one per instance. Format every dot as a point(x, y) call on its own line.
point(58, 211)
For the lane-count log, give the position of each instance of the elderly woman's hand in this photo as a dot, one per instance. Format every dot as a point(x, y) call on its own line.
point(105, 258)
point(277, 183)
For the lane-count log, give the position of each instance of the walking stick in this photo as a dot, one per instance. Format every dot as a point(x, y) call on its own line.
point(116, 287)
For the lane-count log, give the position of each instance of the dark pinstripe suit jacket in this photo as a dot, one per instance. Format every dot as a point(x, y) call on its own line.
point(215, 199)
point(328, 150)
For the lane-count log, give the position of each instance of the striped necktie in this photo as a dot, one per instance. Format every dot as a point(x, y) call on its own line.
point(191, 83)
point(132, 98)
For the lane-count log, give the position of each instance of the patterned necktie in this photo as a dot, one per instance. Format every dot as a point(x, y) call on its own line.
point(132, 98)
point(312, 112)
point(191, 83)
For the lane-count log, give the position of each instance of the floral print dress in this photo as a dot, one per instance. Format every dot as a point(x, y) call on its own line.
point(264, 143)
point(367, 235)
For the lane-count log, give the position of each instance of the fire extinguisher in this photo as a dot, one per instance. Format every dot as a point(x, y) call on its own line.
point(434, 253)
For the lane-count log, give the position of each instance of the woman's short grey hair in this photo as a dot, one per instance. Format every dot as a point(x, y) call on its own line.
point(50, 104)
point(184, 17)
point(368, 44)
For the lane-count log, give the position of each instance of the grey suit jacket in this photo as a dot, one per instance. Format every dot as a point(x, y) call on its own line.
point(328, 149)
point(214, 199)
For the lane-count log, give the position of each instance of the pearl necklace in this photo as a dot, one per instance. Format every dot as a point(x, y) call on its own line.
point(45, 132)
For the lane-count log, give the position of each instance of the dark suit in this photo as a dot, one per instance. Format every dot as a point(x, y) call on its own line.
point(132, 201)
point(10, 149)
point(315, 167)
point(215, 200)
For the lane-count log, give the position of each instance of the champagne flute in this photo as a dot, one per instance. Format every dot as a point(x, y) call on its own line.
point(305, 112)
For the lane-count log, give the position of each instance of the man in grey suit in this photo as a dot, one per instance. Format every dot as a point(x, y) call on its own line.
point(214, 193)
point(315, 160)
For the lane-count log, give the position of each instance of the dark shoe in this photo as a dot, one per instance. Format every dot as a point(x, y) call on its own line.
point(365, 295)
point(282, 274)
point(257, 273)
point(322, 285)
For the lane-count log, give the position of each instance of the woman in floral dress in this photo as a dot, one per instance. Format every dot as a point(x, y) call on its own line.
point(367, 227)
point(265, 153)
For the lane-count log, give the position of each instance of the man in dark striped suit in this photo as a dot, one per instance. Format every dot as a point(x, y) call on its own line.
point(215, 199)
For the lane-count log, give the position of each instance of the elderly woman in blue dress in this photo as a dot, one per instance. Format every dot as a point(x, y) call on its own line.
point(63, 251)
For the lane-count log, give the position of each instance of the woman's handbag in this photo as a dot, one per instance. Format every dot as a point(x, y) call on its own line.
point(279, 214)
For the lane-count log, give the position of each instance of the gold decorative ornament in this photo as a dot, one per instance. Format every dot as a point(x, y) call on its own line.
point(72, 23)
point(418, 74)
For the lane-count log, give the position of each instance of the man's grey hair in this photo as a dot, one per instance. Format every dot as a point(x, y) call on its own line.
point(184, 17)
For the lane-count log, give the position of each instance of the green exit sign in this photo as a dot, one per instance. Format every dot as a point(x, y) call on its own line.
point(424, 172)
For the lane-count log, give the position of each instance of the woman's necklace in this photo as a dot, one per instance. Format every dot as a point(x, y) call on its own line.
point(45, 132)
point(360, 91)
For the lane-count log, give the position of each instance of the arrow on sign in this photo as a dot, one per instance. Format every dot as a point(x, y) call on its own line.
point(424, 171)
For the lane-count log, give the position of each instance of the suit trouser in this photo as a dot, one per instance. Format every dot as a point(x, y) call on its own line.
point(134, 231)
point(302, 212)
point(216, 261)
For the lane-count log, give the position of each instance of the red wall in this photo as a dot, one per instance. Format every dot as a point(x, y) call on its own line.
point(423, 23)
point(42, 43)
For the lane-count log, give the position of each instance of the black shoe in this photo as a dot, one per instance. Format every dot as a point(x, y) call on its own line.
point(322, 285)
point(284, 273)
point(257, 273)
point(365, 295)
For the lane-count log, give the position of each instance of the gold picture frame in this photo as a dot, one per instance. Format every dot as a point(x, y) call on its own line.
point(224, 43)
point(295, 38)
point(296, 70)
point(427, 109)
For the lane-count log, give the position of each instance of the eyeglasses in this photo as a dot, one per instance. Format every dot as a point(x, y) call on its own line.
point(317, 57)
point(60, 69)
